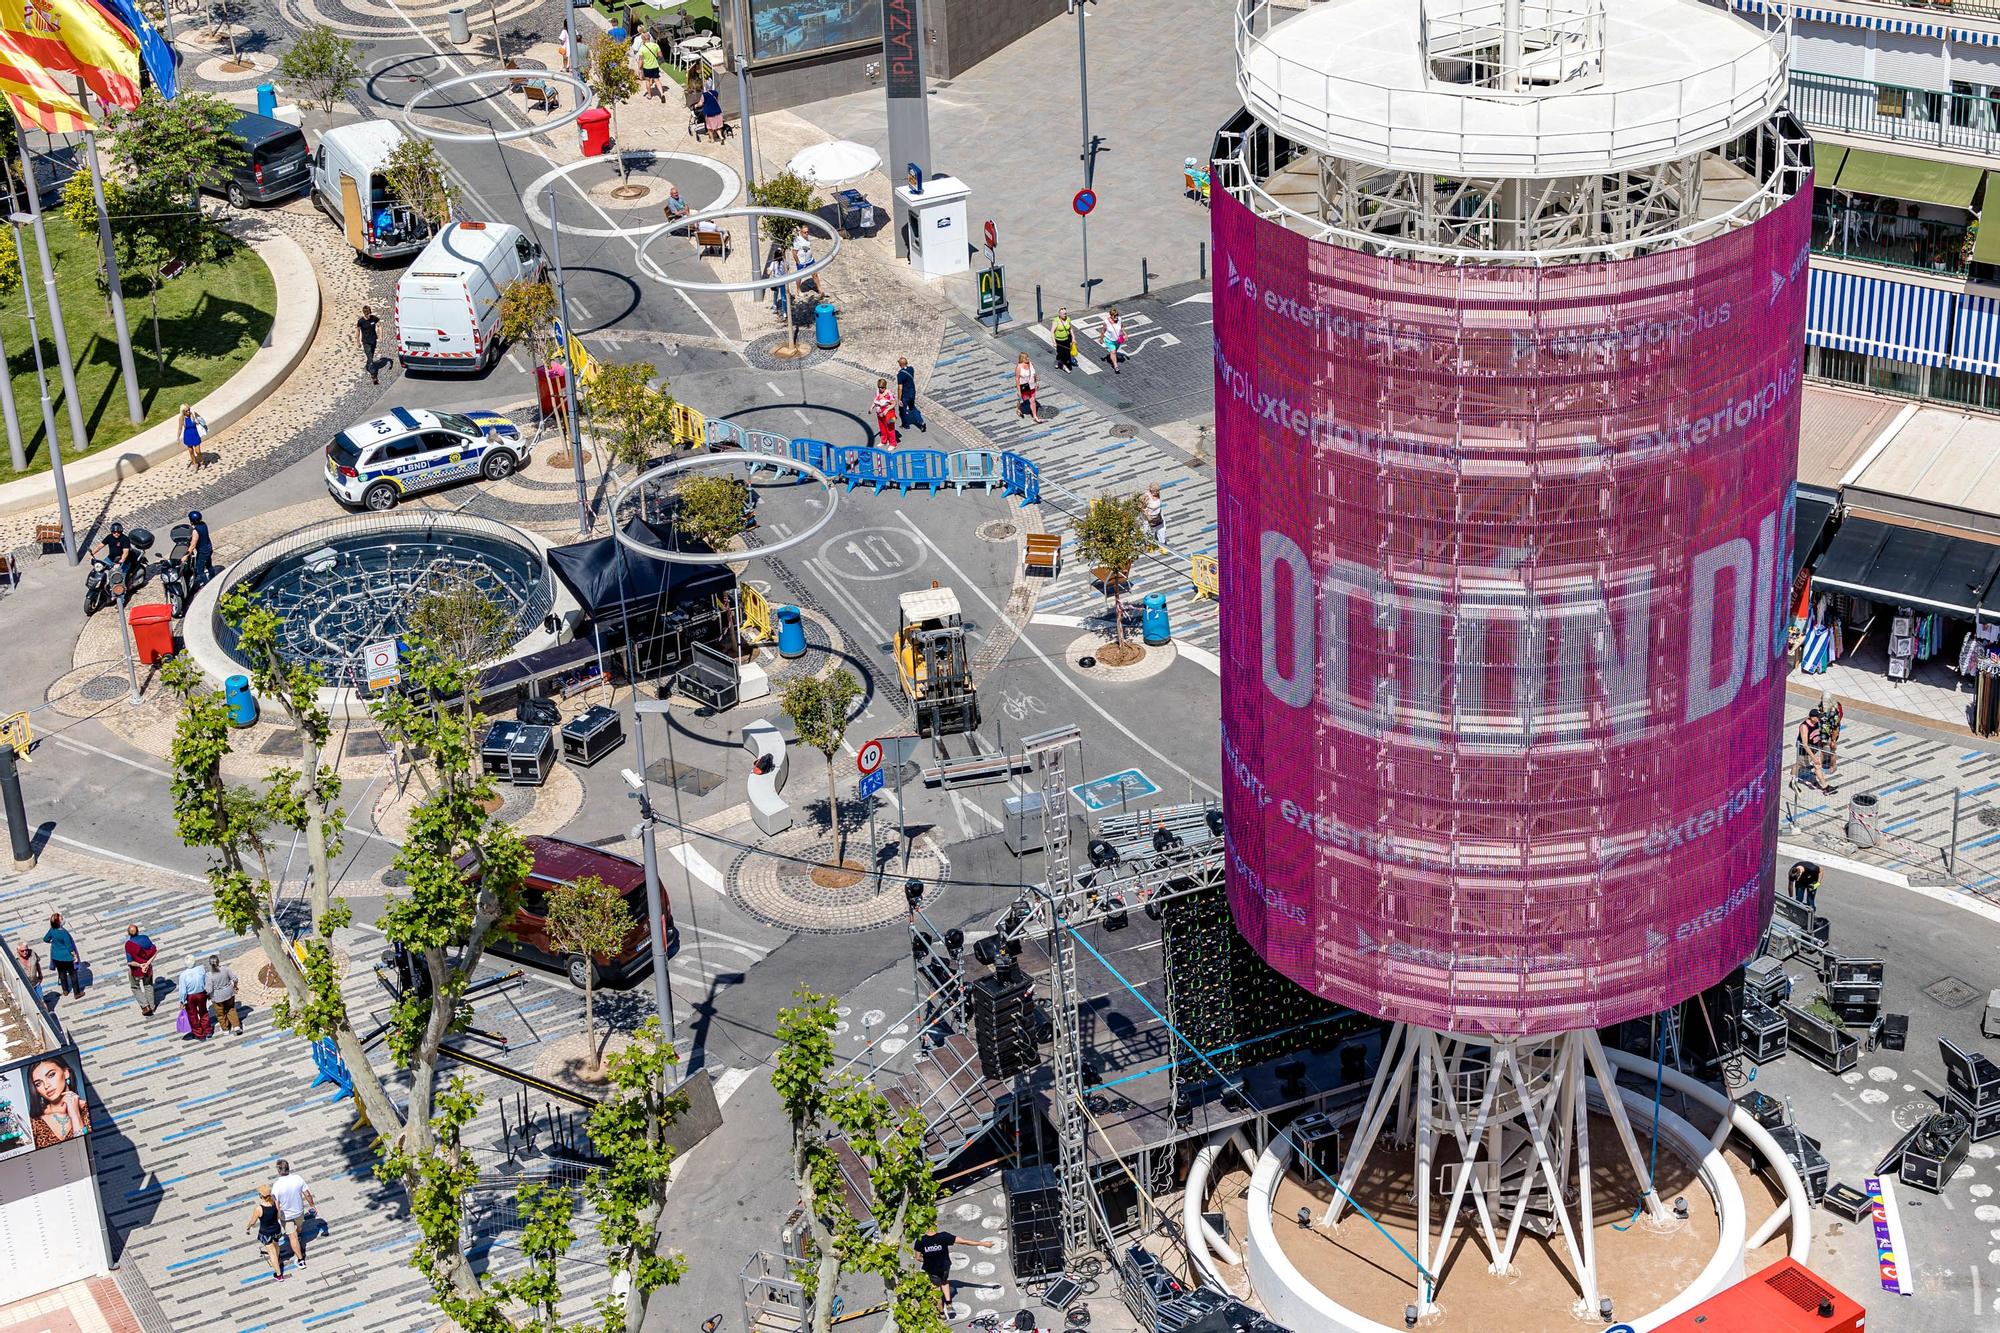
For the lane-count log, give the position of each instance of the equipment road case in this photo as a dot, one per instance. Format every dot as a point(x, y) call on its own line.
point(592, 734)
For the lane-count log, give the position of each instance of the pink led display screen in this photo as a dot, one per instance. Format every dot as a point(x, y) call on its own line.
point(1505, 558)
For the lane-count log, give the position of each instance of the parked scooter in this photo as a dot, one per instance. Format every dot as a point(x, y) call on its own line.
point(173, 582)
point(116, 580)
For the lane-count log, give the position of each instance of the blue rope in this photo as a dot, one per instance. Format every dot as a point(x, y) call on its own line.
point(1430, 1282)
point(1653, 1167)
point(1220, 1050)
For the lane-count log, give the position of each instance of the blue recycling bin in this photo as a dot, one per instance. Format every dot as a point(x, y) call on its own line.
point(826, 325)
point(241, 703)
point(1156, 627)
point(791, 632)
point(267, 100)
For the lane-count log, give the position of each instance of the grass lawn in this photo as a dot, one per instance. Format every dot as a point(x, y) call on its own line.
point(211, 321)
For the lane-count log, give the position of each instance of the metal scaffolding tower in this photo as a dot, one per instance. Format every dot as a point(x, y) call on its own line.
point(1072, 1171)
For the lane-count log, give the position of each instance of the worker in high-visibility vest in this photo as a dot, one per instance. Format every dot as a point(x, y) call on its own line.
point(1065, 336)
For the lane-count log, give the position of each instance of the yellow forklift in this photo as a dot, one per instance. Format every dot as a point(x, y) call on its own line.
point(932, 660)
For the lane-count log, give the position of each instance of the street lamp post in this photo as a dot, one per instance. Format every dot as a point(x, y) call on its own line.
point(663, 992)
point(1089, 149)
point(570, 370)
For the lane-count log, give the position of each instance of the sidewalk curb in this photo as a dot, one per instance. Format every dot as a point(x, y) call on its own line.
point(294, 321)
point(1958, 898)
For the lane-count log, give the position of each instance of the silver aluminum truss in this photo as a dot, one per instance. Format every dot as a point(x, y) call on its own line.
point(1517, 1114)
point(1072, 1169)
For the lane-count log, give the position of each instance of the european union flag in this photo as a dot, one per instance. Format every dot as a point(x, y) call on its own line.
point(154, 50)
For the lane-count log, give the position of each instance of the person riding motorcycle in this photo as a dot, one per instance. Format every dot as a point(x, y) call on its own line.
point(118, 549)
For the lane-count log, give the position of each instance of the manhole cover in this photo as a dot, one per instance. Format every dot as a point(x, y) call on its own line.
point(366, 742)
point(1989, 815)
point(105, 689)
point(1124, 431)
point(997, 531)
point(690, 780)
point(284, 742)
point(1086, 662)
point(1951, 992)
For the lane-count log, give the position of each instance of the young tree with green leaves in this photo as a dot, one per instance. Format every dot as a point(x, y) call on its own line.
point(628, 415)
point(417, 176)
point(819, 708)
point(1111, 536)
point(165, 149)
point(320, 66)
point(903, 1187)
point(460, 621)
point(590, 919)
point(528, 314)
point(613, 82)
point(787, 189)
point(712, 508)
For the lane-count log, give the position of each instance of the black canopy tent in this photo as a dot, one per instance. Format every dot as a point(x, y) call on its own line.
point(659, 608)
point(1911, 567)
point(1809, 524)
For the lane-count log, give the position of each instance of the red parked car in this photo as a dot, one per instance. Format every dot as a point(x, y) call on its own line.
point(558, 861)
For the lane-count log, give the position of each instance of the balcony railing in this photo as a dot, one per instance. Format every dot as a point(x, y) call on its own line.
point(1976, 8)
point(1881, 238)
point(1907, 115)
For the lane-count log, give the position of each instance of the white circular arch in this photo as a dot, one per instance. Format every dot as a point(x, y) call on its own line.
point(579, 104)
point(695, 461)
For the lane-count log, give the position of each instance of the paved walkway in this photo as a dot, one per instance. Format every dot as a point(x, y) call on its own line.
point(95, 1306)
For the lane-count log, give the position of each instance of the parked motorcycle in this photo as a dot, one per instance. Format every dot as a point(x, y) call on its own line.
point(174, 583)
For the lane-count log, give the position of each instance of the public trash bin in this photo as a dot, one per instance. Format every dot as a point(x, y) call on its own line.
point(241, 703)
point(1862, 817)
point(1156, 628)
point(595, 127)
point(826, 325)
point(152, 631)
point(461, 27)
point(548, 389)
point(791, 632)
point(267, 100)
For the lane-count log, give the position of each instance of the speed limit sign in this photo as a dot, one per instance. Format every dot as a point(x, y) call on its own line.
point(869, 757)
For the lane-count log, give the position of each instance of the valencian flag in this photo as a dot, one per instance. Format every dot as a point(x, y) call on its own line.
point(71, 37)
point(36, 97)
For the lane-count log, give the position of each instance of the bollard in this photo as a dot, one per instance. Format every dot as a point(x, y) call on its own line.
point(461, 27)
point(1204, 261)
point(17, 810)
point(1038, 303)
point(1145, 278)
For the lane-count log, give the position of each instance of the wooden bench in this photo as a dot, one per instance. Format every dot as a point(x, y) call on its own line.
point(712, 238)
point(543, 94)
point(49, 537)
point(1044, 554)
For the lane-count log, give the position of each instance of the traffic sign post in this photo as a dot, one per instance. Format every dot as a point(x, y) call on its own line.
point(871, 783)
point(993, 282)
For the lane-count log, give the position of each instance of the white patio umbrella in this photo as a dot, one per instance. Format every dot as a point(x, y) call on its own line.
point(835, 163)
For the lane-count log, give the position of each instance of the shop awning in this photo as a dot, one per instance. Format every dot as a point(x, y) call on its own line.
point(1920, 180)
point(1809, 529)
point(1827, 158)
point(1910, 567)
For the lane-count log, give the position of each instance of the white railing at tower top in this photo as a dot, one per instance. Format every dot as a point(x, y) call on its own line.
point(1513, 45)
point(1580, 127)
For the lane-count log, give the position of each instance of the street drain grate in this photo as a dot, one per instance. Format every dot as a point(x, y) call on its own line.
point(1124, 432)
point(1951, 993)
point(105, 689)
point(997, 531)
point(1989, 815)
point(690, 780)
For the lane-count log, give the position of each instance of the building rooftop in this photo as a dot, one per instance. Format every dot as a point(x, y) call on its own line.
point(1933, 466)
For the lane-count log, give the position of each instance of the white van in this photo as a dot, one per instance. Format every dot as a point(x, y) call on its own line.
point(448, 304)
point(349, 185)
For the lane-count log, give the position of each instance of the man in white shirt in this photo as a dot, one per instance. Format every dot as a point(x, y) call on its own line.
point(294, 1197)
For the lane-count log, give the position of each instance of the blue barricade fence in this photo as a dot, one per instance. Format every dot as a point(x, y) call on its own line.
point(864, 465)
point(1020, 477)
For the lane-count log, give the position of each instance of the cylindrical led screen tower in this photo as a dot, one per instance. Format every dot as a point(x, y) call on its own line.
point(1506, 492)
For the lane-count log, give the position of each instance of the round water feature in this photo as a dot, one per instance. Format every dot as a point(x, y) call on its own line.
point(338, 587)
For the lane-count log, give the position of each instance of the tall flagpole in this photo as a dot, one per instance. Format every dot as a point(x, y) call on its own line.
point(79, 437)
point(49, 436)
point(124, 332)
point(16, 453)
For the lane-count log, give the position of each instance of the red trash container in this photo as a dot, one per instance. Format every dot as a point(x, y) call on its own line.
point(549, 393)
point(152, 631)
point(595, 125)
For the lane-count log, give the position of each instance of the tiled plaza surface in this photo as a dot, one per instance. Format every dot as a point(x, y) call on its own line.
point(184, 1132)
point(95, 1306)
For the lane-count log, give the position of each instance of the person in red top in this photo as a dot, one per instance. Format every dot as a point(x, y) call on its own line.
point(139, 953)
point(885, 414)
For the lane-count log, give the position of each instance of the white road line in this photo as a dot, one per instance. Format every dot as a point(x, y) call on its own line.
point(961, 804)
point(1060, 672)
point(514, 360)
point(772, 385)
point(1978, 1306)
point(1852, 1107)
point(802, 416)
point(1928, 1079)
point(840, 594)
point(708, 933)
point(728, 1081)
point(107, 853)
point(696, 865)
point(69, 743)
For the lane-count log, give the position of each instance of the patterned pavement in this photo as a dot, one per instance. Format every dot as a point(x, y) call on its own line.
point(1083, 453)
point(185, 1132)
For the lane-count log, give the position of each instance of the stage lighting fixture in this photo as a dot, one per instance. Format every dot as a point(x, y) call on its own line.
point(986, 949)
point(1118, 919)
point(954, 941)
point(1305, 1219)
point(1604, 1309)
point(1681, 1209)
point(913, 893)
point(1102, 853)
point(920, 946)
point(1214, 822)
point(1154, 911)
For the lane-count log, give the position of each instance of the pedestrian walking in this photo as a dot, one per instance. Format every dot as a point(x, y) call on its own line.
point(366, 332)
point(194, 429)
point(777, 268)
point(1831, 715)
point(906, 396)
point(885, 414)
point(222, 997)
point(564, 40)
point(192, 990)
point(1064, 333)
point(1026, 383)
point(295, 1203)
point(204, 549)
point(711, 113)
point(62, 952)
point(139, 953)
point(31, 966)
point(934, 1252)
point(1810, 758)
point(649, 66)
point(1114, 340)
point(264, 1222)
point(1156, 514)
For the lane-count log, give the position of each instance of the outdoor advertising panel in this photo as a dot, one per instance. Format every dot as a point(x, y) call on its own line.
point(1505, 560)
point(798, 27)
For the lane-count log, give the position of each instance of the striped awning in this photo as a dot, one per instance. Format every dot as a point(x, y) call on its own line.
point(1877, 22)
point(1880, 316)
point(1975, 343)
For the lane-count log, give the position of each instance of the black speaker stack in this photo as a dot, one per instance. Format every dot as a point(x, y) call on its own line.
point(1937, 1150)
point(1003, 1023)
point(1712, 1023)
point(1034, 1220)
point(1972, 1088)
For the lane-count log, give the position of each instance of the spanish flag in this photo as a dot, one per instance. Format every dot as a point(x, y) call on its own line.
point(72, 37)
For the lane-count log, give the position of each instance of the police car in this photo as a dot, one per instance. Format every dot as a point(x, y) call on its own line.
point(378, 462)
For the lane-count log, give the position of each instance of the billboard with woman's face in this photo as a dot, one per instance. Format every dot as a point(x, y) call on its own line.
point(42, 1104)
point(783, 28)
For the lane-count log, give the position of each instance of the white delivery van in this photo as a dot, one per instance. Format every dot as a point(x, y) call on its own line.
point(349, 185)
point(448, 303)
